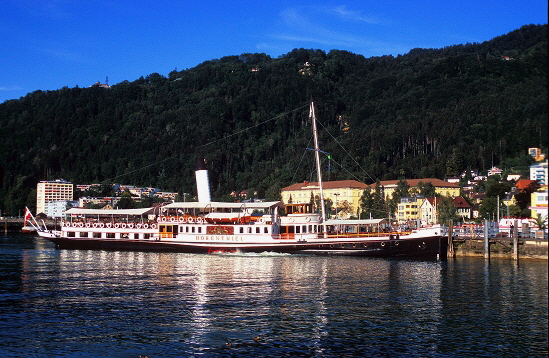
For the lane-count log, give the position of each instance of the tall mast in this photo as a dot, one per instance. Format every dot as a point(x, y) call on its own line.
point(317, 158)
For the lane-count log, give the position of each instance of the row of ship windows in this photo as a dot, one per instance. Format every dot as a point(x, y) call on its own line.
point(198, 229)
point(298, 229)
point(108, 235)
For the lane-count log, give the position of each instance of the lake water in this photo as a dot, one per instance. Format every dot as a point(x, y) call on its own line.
point(128, 304)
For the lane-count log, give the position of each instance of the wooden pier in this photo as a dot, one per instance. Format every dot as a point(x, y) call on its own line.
point(501, 247)
point(11, 224)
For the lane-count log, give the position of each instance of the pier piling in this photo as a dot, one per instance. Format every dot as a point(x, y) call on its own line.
point(515, 241)
point(486, 239)
point(451, 253)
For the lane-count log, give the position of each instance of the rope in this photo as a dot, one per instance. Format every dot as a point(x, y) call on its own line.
point(209, 143)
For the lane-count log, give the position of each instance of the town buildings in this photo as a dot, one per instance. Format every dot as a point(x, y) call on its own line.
point(538, 204)
point(58, 190)
point(344, 194)
point(100, 202)
point(537, 154)
point(494, 171)
point(538, 172)
point(55, 209)
point(463, 209)
point(428, 210)
point(409, 209)
point(442, 187)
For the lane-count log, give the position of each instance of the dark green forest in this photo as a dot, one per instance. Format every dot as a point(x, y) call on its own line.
point(428, 113)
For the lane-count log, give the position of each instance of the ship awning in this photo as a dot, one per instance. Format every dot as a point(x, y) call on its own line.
point(356, 222)
point(100, 212)
point(222, 205)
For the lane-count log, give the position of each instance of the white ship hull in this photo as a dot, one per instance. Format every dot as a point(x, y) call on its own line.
point(246, 238)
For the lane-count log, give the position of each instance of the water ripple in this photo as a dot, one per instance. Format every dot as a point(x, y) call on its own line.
point(80, 303)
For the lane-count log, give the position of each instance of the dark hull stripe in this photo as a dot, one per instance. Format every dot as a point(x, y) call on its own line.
point(421, 247)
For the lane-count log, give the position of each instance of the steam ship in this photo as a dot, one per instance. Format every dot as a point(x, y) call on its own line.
point(219, 227)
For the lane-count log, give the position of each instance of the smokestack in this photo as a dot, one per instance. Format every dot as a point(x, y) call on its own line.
point(202, 181)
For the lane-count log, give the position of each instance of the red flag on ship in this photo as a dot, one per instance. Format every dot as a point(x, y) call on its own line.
point(27, 215)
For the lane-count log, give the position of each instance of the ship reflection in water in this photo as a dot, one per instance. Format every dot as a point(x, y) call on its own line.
point(110, 303)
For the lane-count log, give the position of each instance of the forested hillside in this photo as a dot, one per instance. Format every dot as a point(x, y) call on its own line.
point(429, 113)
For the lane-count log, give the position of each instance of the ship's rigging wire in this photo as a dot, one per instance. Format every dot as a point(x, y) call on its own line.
point(325, 129)
point(254, 126)
point(349, 154)
point(209, 143)
point(250, 127)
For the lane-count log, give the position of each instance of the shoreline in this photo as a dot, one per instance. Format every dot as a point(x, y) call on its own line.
point(502, 248)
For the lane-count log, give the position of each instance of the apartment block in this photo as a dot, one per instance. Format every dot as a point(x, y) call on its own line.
point(52, 191)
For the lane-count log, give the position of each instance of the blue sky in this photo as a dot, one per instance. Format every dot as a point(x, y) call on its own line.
point(50, 44)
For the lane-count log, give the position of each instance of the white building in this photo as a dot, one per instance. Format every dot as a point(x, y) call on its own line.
point(538, 172)
point(52, 191)
point(85, 200)
point(513, 177)
point(539, 201)
point(495, 171)
point(55, 209)
point(428, 211)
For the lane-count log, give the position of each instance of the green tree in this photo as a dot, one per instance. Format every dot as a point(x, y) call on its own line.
point(515, 211)
point(99, 190)
point(426, 190)
point(90, 205)
point(366, 203)
point(344, 209)
point(126, 201)
point(380, 209)
point(497, 188)
point(488, 207)
point(273, 193)
point(328, 205)
point(402, 190)
point(447, 210)
point(541, 221)
point(524, 197)
point(396, 111)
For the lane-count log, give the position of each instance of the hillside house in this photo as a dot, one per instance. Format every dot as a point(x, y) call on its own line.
point(344, 194)
point(442, 187)
point(408, 209)
point(463, 208)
